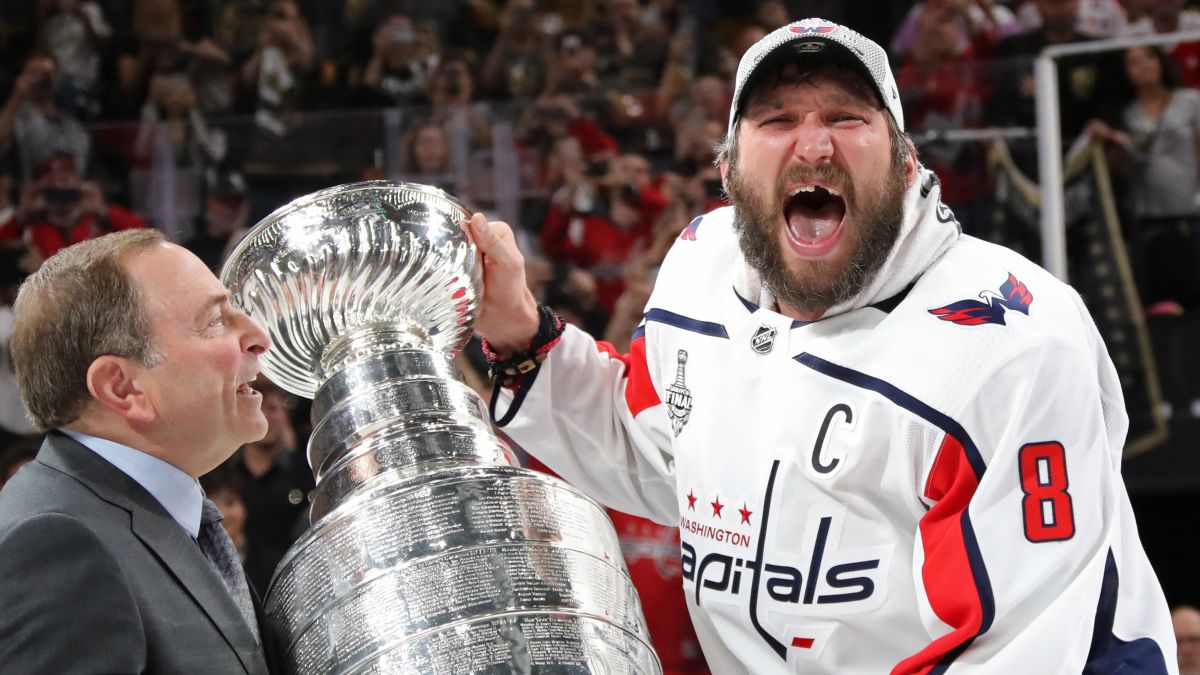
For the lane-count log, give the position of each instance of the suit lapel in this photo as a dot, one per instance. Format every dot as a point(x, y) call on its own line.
point(161, 534)
point(179, 552)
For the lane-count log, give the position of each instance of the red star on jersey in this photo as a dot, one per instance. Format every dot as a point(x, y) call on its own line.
point(746, 513)
point(717, 506)
point(691, 500)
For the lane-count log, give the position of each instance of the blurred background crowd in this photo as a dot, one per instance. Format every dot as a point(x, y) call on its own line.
point(589, 125)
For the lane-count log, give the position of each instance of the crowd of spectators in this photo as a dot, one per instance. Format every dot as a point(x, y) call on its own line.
point(163, 104)
point(200, 116)
point(157, 101)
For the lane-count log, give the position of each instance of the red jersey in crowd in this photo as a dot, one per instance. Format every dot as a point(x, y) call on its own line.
point(946, 95)
point(597, 244)
point(49, 239)
point(652, 554)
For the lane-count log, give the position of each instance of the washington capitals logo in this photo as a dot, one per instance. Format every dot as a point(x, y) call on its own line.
point(1013, 295)
point(820, 30)
point(778, 580)
point(689, 232)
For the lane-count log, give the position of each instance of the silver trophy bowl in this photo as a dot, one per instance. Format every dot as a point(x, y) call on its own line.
point(431, 550)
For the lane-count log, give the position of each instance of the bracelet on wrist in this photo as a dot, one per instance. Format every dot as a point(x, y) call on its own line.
point(509, 370)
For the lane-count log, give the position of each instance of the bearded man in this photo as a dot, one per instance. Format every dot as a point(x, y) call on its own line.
point(888, 446)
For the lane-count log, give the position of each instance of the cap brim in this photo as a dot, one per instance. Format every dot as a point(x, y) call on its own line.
point(801, 50)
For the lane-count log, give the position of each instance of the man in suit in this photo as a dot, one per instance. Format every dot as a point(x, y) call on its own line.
point(130, 355)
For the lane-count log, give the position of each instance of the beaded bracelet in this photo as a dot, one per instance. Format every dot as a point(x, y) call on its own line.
point(509, 371)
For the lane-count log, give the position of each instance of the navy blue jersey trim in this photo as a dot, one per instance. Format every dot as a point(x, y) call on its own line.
point(1109, 654)
point(983, 588)
point(1106, 608)
point(688, 324)
point(888, 304)
point(942, 666)
point(638, 332)
point(902, 399)
point(774, 644)
point(750, 306)
point(1142, 656)
point(983, 584)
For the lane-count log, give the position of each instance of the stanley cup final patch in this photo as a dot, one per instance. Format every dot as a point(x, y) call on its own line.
point(679, 397)
point(763, 339)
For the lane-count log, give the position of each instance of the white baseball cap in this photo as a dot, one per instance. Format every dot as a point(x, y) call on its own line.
point(816, 39)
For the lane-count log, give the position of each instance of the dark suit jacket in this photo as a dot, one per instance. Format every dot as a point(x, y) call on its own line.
point(96, 577)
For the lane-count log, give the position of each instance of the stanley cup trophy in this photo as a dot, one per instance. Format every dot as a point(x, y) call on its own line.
point(430, 550)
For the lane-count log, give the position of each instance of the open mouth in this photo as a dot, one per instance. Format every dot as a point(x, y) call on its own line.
point(814, 214)
point(244, 389)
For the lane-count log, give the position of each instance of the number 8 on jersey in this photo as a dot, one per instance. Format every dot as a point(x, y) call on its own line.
point(1047, 504)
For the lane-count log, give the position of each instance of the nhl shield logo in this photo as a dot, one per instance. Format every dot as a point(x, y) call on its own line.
point(679, 397)
point(763, 340)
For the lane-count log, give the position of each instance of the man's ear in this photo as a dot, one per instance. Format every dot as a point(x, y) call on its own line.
point(115, 385)
point(910, 161)
point(724, 169)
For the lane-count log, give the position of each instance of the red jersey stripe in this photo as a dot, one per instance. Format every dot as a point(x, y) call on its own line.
point(639, 390)
point(949, 580)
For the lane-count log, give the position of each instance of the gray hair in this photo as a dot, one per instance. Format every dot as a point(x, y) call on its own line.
point(80, 305)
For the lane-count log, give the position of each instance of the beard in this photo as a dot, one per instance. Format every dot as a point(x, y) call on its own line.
point(815, 285)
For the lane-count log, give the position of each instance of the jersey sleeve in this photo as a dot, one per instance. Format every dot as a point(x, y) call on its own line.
point(67, 606)
point(1028, 559)
point(594, 417)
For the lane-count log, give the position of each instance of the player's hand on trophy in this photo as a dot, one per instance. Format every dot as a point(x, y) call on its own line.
point(508, 315)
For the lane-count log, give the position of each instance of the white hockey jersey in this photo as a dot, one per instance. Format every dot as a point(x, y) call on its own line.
point(925, 481)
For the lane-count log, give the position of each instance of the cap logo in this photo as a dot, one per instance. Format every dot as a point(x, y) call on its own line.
point(822, 29)
point(809, 47)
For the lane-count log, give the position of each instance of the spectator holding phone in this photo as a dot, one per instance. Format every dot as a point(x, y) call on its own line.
point(32, 120)
point(158, 44)
point(517, 64)
point(402, 58)
point(59, 208)
point(277, 71)
point(76, 32)
point(451, 91)
point(602, 223)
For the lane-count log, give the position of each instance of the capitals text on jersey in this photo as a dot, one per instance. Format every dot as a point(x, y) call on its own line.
point(824, 577)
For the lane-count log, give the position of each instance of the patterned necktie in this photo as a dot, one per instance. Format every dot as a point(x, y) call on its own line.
point(218, 547)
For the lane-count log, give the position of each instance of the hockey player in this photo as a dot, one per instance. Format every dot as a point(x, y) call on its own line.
point(888, 446)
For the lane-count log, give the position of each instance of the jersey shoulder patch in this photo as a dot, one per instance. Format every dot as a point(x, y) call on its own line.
point(991, 306)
